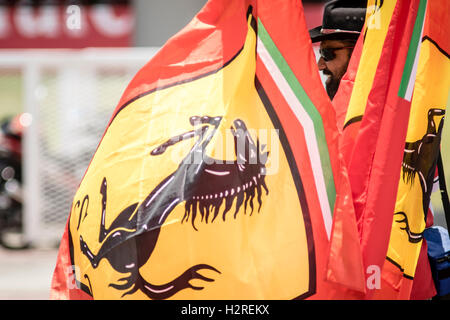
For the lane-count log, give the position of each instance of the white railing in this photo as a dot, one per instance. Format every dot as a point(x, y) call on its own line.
point(70, 95)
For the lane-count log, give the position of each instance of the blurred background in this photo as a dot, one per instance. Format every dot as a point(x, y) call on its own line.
point(63, 68)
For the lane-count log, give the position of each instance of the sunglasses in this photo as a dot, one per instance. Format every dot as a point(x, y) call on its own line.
point(329, 54)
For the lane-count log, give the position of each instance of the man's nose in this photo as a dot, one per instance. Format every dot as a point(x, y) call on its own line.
point(321, 64)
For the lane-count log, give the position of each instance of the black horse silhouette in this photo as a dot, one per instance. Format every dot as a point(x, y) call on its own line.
point(203, 183)
point(420, 157)
point(413, 237)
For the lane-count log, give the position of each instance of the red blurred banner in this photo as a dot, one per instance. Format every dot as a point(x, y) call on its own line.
point(71, 26)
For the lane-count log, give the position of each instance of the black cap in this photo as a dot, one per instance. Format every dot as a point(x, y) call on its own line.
point(342, 20)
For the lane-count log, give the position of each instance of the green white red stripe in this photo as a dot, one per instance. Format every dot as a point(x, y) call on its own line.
point(412, 58)
point(309, 118)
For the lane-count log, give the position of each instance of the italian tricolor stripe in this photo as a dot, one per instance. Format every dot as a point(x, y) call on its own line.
point(310, 119)
point(412, 58)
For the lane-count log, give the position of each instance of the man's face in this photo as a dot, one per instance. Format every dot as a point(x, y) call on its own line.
point(333, 63)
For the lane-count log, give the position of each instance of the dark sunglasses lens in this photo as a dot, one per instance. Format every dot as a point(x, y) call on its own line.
point(327, 54)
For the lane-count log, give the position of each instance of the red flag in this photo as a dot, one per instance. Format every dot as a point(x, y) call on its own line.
point(64, 283)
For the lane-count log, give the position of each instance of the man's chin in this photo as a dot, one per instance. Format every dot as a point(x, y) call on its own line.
point(331, 89)
point(331, 92)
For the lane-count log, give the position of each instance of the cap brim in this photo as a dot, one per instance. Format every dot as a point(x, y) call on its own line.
point(316, 35)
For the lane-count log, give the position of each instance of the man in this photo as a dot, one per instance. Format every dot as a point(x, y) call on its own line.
point(341, 26)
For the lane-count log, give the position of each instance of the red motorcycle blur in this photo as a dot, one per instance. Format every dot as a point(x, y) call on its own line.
point(11, 199)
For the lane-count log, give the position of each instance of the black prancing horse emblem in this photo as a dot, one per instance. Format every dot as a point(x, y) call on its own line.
point(203, 183)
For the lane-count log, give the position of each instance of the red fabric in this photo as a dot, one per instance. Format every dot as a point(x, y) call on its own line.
point(395, 286)
point(63, 282)
point(374, 164)
point(423, 285)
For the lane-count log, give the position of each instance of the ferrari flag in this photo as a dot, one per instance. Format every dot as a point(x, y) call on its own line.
point(218, 176)
point(429, 58)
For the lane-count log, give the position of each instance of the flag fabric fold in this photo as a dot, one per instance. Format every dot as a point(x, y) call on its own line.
point(374, 149)
point(386, 97)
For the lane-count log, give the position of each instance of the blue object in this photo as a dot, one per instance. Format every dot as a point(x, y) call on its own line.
point(438, 242)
